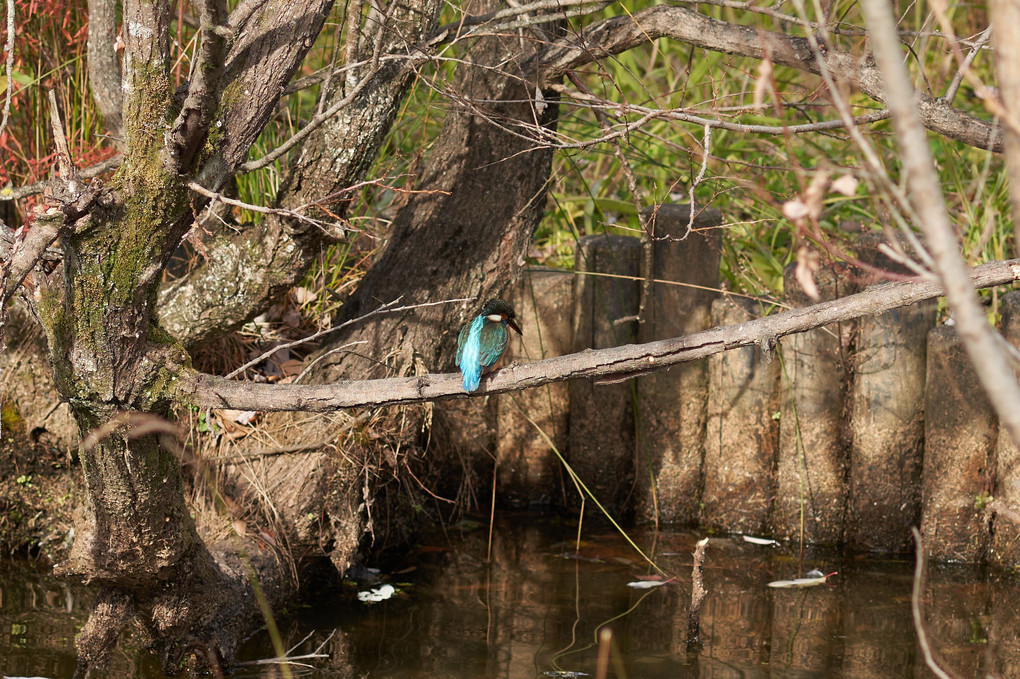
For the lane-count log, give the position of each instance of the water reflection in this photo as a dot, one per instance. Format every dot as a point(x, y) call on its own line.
point(537, 611)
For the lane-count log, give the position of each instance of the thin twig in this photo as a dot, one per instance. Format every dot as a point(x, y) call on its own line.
point(386, 308)
point(706, 146)
point(490, 20)
point(915, 607)
point(961, 72)
point(622, 33)
point(328, 227)
point(421, 52)
point(542, 138)
point(9, 66)
point(38, 187)
point(638, 196)
point(313, 447)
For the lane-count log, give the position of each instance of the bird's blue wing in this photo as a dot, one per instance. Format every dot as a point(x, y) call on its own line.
point(469, 353)
point(493, 339)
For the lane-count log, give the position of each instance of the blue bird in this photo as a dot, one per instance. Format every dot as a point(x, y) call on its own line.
point(482, 341)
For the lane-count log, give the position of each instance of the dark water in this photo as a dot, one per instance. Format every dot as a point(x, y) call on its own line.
point(538, 610)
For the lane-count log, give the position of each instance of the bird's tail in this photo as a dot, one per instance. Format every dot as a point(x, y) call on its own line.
point(472, 376)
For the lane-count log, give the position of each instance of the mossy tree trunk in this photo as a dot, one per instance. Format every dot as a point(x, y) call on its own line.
point(117, 367)
point(134, 534)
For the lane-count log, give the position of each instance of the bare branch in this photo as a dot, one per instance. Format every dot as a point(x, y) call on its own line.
point(353, 38)
point(978, 337)
point(277, 36)
point(492, 21)
point(312, 125)
point(622, 33)
point(683, 115)
point(449, 33)
point(647, 115)
point(22, 257)
point(334, 228)
point(189, 130)
point(104, 64)
point(978, 45)
point(269, 258)
point(74, 200)
point(38, 187)
point(244, 11)
point(630, 360)
point(9, 65)
point(512, 18)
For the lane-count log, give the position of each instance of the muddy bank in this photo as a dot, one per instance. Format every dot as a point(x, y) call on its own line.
point(38, 494)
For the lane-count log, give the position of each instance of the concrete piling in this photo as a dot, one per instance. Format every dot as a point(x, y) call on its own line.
point(1005, 547)
point(672, 404)
point(602, 416)
point(742, 432)
point(528, 471)
point(960, 431)
point(811, 473)
point(886, 423)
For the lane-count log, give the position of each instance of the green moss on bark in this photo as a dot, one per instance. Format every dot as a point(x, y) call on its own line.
point(99, 324)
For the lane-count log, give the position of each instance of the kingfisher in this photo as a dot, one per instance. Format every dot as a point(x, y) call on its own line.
point(482, 341)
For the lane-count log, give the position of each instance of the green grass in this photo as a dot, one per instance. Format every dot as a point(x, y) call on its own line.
point(748, 177)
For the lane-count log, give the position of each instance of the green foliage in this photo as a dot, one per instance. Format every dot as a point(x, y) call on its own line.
point(748, 177)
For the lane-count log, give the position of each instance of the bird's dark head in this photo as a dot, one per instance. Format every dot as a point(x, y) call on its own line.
point(498, 311)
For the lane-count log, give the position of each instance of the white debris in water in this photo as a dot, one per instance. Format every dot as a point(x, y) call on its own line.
point(377, 594)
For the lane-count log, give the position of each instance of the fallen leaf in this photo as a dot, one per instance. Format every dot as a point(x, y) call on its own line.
point(646, 584)
point(801, 583)
point(759, 541)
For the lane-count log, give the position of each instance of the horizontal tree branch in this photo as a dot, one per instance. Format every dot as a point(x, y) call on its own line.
point(38, 187)
point(625, 32)
point(627, 361)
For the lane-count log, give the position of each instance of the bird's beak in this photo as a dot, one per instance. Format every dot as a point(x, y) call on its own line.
point(513, 324)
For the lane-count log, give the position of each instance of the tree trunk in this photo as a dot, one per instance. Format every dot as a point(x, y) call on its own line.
point(116, 368)
point(466, 230)
point(264, 261)
point(463, 233)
